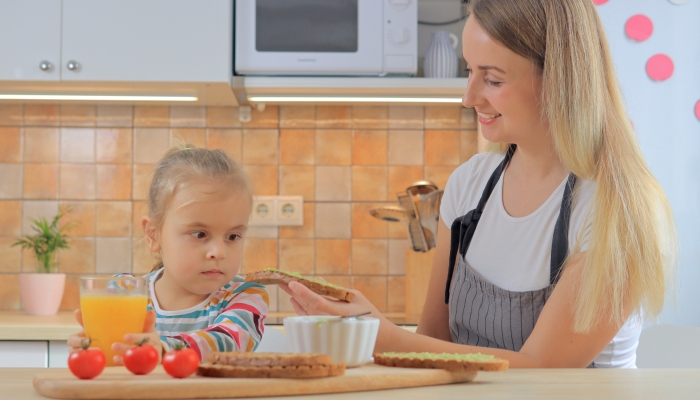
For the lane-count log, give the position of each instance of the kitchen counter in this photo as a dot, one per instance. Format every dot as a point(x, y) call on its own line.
point(17, 325)
point(16, 383)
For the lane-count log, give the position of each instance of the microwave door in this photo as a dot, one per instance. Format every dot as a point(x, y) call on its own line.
point(309, 37)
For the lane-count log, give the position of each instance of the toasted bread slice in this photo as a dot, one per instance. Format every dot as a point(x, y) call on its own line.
point(247, 359)
point(450, 362)
point(269, 365)
point(291, 372)
point(274, 276)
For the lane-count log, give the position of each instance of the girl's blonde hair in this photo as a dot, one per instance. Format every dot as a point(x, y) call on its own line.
point(183, 165)
point(632, 253)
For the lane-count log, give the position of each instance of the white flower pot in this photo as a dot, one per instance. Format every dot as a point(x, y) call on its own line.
point(41, 294)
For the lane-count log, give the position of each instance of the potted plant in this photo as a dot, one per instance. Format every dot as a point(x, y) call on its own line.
point(42, 292)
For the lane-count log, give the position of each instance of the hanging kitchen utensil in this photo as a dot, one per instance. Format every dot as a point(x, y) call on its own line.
point(428, 213)
point(392, 214)
point(421, 187)
point(415, 230)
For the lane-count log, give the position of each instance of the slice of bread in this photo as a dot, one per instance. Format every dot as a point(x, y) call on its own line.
point(269, 365)
point(299, 372)
point(247, 359)
point(273, 276)
point(450, 362)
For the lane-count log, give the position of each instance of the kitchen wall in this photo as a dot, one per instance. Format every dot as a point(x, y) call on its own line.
point(667, 125)
point(344, 160)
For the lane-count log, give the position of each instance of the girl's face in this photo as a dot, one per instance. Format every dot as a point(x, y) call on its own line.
point(201, 239)
point(503, 88)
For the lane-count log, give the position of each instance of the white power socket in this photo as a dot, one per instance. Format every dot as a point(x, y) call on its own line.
point(277, 211)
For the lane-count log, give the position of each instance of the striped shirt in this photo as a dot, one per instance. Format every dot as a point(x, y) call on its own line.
point(230, 319)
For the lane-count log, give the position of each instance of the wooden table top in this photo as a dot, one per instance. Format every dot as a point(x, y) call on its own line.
point(540, 384)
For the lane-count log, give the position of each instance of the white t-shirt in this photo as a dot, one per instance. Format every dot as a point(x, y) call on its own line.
point(514, 253)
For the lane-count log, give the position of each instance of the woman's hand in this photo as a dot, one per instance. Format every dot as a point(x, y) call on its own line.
point(306, 302)
point(131, 339)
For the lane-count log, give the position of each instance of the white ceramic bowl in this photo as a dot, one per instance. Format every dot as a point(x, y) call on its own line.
point(349, 341)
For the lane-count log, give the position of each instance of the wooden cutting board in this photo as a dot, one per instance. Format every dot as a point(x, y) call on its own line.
point(118, 383)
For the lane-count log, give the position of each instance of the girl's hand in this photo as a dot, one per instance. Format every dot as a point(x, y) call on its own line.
point(75, 340)
point(306, 302)
point(130, 339)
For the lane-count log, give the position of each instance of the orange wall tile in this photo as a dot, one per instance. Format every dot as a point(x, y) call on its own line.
point(10, 144)
point(333, 256)
point(297, 146)
point(369, 147)
point(40, 181)
point(41, 145)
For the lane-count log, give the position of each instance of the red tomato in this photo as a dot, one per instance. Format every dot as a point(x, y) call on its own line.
point(180, 363)
point(86, 363)
point(141, 360)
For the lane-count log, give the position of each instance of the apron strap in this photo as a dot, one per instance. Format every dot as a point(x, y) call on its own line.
point(560, 238)
point(464, 227)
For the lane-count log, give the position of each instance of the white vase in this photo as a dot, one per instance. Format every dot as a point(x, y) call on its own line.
point(440, 59)
point(41, 294)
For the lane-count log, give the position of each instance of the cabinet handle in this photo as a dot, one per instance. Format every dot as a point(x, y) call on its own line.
point(45, 66)
point(73, 65)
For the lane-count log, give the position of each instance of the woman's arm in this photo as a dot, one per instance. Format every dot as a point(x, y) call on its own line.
point(552, 344)
point(434, 321)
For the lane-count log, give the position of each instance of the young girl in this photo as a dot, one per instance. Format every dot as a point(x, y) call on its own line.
point(198, 209)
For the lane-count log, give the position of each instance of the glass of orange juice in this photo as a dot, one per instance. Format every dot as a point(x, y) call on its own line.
point(112, 307)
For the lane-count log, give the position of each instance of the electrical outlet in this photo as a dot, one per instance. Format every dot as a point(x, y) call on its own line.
point(277, 210)
point(290, 210)
point(264, 211)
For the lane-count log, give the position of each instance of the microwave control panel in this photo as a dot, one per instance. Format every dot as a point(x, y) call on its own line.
point(400, 37)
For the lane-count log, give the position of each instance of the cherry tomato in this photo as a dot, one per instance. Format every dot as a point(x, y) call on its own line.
point(181, 362)
point(86, 363)
point(140, 359)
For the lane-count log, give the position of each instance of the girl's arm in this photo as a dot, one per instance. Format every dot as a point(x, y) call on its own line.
point(553, 343)
point(238, 327)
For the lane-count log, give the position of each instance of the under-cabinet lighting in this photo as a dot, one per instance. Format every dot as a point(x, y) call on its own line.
point(334, 99)
point(92, 97)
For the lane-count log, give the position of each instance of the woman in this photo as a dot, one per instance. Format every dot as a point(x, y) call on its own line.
point(560, 236)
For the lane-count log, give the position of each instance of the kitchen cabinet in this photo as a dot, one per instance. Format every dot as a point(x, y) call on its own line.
point(155, 40)
point(30, 40)
point(116, 40)
point(33, 354)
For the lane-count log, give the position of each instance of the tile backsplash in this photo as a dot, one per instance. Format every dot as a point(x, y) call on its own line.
point(344, 160)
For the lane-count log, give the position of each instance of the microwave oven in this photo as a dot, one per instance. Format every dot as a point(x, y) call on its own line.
point(326, 37)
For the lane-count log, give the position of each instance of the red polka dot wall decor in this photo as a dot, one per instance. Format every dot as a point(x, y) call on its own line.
point(599, 2)
point(660, 67)
point(639, 27)
point(697, 110)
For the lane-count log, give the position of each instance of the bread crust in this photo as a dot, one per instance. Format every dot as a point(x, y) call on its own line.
point(276, 277)
point(246, 359)
point(269, 365)
point(451, 365)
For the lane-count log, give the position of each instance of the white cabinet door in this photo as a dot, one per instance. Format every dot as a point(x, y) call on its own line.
point(58, 354)
point(30, 34)
point(154, 40)
point(20, 354)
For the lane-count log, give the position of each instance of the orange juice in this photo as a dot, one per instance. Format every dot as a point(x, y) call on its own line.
point(108, 317)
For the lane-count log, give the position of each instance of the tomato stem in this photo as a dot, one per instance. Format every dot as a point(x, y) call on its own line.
point(85, 343)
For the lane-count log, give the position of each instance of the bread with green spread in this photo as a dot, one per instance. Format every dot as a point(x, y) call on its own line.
point(447, 361)
point(273, 276)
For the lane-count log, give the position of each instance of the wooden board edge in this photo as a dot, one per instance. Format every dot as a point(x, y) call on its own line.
point(143, 389)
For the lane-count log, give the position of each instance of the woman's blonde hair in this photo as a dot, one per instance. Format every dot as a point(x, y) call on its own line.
point(632, 252)
point(186, 164)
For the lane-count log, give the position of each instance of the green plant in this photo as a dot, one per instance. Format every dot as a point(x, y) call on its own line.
point(48, 239)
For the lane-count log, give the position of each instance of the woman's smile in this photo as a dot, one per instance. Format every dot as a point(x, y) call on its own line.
point(486, 119)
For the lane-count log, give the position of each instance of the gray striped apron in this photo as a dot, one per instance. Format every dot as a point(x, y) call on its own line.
point(481, 313)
